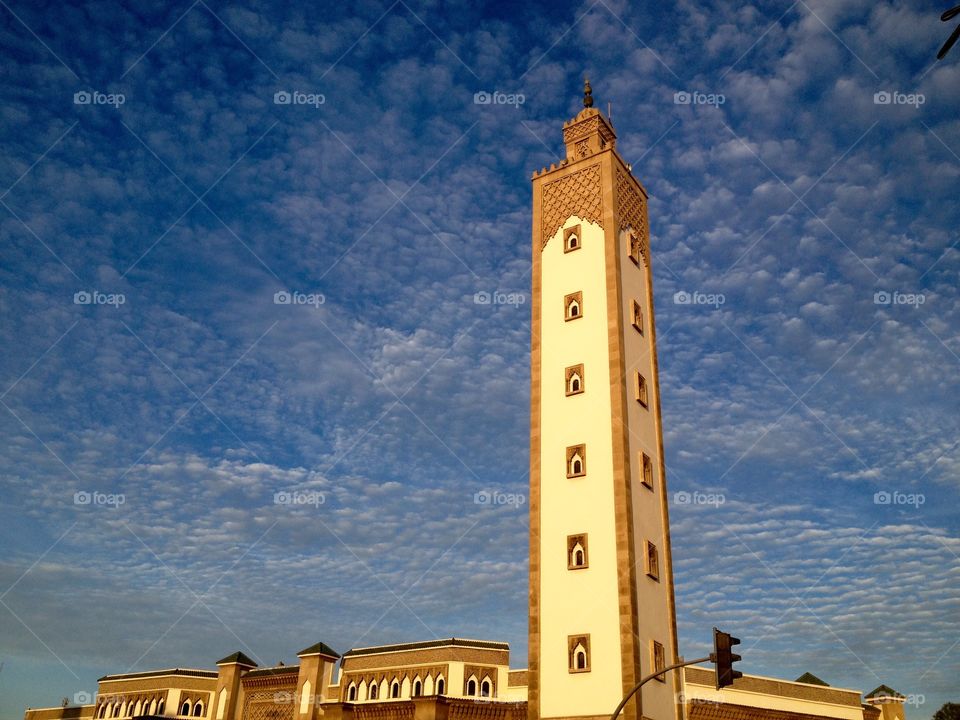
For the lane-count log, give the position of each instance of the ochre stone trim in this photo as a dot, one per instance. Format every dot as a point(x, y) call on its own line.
point(729, 711)
point(533, 619)
point(622, 493)
point(427, 657)
point(631, 215)
point(576, 193)
point(781, 688)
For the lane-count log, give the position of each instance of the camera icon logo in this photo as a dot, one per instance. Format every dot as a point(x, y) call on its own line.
point(881, 297)
point(82, 98)
point(482, 498)
point(282, 97)
point(482, 98)
point(681, 497)
point(282, 498)
point(882, 98)
point(282, 297)
point(681, 298)
point(882, 498)
point(682, 98)
point(82, 497)
point(481, 298)
point(82, 698)
point(82, 298)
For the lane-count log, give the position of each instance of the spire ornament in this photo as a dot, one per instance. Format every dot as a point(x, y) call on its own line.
point(587, 93)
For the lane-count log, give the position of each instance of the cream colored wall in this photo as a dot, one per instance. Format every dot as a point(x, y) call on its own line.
point(653, 622)
point(578, 601)
point(516, 693)
point(455, 681)
point(695, 692)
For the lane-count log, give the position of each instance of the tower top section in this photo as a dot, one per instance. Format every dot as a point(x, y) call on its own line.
point(587, 134)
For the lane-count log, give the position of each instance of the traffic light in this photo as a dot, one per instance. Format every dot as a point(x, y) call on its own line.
point(724, 658)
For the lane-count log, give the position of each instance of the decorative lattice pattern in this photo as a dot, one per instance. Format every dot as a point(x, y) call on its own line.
point(630, 210)
point(574, 194)
point(269, 705)
point(384, 711)
point(580, 130)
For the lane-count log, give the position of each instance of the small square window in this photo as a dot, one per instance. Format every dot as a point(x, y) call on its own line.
point(637, 319)
point(572, 239)
point(576, 461)
point(573, 306)
point(578, 653)
point(573, 380)
point(640, 389)
point(646, 470)
point(577, 557)
point(652, 560)
point(657, 659)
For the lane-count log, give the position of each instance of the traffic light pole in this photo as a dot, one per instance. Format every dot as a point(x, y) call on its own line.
point(623, 703)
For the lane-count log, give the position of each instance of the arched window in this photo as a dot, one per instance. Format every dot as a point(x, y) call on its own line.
point(579, 649)
point(352, 692)
point(101, 711)
point(471, 687)
point(640, 389)
point(441, 686)
point(395, 689)
point(573, 305)
point(485, 688)
point(576, 461)
point(160, 706)
point(571, 239)
point(185, 708)
point(198, 709)
point(572, 242)
point(573, 378)
point(374, 688)
point(137, 708)
point(417, 688)
point(153, 706)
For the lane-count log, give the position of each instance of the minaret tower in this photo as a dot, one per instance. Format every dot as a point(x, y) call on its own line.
point(601, 581)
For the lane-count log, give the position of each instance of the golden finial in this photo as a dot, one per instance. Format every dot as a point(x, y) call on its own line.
point(587, 93)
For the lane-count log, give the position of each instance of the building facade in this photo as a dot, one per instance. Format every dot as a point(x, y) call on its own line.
point(602, 612)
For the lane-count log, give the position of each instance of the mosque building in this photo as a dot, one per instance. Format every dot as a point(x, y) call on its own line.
point(602, 611)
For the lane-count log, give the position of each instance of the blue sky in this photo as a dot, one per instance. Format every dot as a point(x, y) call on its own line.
point(392, 396)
